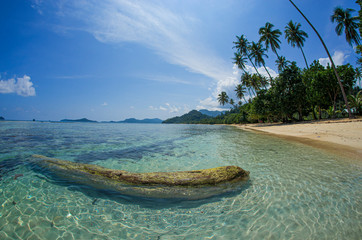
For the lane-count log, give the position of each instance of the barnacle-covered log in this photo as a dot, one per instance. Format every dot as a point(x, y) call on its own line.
point(182, 184)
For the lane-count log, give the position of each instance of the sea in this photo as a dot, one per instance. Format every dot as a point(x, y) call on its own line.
point(295, 191)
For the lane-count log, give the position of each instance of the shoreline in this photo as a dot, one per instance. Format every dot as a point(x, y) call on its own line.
point(342, 137)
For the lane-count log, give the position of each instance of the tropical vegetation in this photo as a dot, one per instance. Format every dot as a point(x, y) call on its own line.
point(296, 94)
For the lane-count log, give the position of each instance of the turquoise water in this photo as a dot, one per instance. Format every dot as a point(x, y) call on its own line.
point(294, 192)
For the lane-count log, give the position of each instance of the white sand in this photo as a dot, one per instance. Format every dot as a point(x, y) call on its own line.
point(338, 135)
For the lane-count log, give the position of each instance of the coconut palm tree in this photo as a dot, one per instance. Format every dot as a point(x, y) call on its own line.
point(282, 63)
point(347, 23)
point(242, 45)
point(330, 59)
point(257, 52)
point(356, 102)
point(257, 82)
point(232, 103)
point(358, 75)
point(223, 98)
point(240, 92)
point(296, 37)
point(247, 82)
point(240, 61)
point(270, 37)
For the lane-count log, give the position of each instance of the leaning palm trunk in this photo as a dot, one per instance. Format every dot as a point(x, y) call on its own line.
point(254, 66)
point(305, 59)
point(330, 58)
point(271, 79)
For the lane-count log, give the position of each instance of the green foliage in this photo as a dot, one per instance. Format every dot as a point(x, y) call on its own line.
point(294, 95)
point(347, 24)
point(356, 102)
point(290, 92)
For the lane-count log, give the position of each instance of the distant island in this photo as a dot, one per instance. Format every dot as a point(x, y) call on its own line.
point(78, 120)
point(211, 113)
point(146, 120)
point(128, 120)
point(2, 118)
point(193, 116)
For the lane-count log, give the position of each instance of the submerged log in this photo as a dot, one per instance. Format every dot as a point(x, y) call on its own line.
point(182, 184)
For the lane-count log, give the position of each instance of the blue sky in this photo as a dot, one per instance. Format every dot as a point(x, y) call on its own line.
point(116, 59)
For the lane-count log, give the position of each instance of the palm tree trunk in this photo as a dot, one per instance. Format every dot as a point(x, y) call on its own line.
point(253, 65)
point(245, 99)
point(257, 69)
point(277, 54)
point(330, 59)
point(271, 79)
point(305, 60)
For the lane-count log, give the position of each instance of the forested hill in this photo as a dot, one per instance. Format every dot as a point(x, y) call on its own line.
point(191, 117)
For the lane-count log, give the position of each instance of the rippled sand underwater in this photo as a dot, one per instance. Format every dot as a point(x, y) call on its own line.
point(294, 192)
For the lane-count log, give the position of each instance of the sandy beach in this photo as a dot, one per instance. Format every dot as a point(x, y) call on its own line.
point(343, 136)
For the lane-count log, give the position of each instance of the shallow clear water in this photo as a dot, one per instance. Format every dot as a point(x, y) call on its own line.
point(294, 192)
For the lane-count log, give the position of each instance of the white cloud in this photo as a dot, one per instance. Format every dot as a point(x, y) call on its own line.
point(162, 108)
point(21, 86)
point(210, 104)
point(104, 104)
point(228, 85)
point(172, 109)
point(338, 59)
point(37, 5)
point(167, 107)
point(171, 34)
point(168, 79)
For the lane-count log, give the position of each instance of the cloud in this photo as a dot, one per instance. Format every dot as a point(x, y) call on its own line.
point(21, 86)
point(172, 35)
point(172, 109)
point(37, 6)
point(210, 104)
point(169, 33)
point(105, 104)
point(167, 79)
point(338, 59)
point(167, 107)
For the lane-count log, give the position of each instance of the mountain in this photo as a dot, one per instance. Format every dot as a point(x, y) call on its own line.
point(77, 120)
point(211, 113)
point(146, 120)
point(191, 117)
point(2, 118)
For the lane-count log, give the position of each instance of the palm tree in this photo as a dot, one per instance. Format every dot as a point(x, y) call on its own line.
point(347, 23)
point(358, 75)
point(247, 82)
point(330, 59)
point(257, 82)
point(232, 102)
point(242, 45)
point(282, 63)
point(223, 98)
point(270, 37)
point(296, 37)
point(356, 102)
point(240, 61)
point(257, 52)
point(240, 92)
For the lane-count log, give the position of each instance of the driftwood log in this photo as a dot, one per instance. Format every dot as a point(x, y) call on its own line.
point(182, 184)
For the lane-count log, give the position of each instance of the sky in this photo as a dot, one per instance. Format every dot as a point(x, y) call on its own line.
point(116, 59)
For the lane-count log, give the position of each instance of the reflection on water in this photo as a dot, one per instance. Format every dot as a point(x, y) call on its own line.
point(294, 191)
